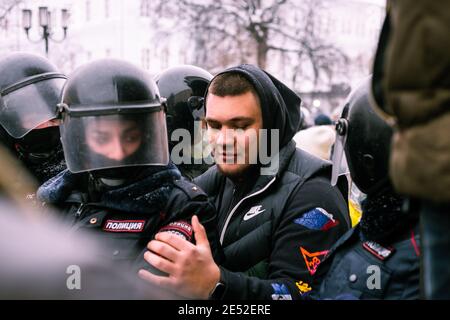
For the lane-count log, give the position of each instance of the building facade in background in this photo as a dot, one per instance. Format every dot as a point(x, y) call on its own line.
point(124, 29)
point(97, 29)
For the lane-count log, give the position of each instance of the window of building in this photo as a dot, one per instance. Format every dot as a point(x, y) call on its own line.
point(325, 25)
point(106, 8)
point(346, 26)
point(145, 58)
point(72, 60)
point(4, 24)
point(331, 24)
point(88, 10)
point(145, 8)
point(165, 57)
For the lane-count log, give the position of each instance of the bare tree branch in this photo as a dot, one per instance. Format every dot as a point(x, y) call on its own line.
point(6, 8)
point(238, 30)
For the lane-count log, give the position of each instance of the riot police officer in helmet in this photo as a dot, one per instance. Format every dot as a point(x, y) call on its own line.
point(184, 87)
point(30, 88)
point(114, 128)
point(120, 183)
point(385, 243)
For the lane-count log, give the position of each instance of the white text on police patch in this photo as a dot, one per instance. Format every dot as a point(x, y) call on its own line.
point(124, 225)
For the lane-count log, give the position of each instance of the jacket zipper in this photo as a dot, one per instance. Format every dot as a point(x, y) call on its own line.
point(222, 234)
point(230, 206)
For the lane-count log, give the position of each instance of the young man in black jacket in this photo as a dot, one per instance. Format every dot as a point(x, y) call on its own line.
point(120, 184)
point(277, 218)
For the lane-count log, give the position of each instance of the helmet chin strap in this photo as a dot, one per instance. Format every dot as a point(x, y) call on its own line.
point(43, 165)
point(112, 182)
point(38, 145)
point(115, 177)
point(98, 184)
point(32, 157)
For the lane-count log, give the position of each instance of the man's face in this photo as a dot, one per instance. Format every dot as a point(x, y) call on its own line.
point(114, 139)
point(233, 130)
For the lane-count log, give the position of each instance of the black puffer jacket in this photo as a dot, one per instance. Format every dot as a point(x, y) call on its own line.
point(127, 218)
point(275, 235)
point(276, 228)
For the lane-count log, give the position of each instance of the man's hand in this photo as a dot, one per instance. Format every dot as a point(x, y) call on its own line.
point(191, 268)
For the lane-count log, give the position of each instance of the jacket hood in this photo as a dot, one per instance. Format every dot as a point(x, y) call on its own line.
point(280, 106)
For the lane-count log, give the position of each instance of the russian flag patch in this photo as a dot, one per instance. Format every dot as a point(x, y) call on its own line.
point(317, 219)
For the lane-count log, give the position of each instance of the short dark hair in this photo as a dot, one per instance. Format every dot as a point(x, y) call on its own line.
point(230, 84)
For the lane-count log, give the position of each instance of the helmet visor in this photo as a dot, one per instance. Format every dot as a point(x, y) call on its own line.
point(26, 108)
point(97, 142)
point(337, 157)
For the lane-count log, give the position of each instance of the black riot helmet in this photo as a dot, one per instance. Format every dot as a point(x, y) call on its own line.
point(112, 117)
point(184, 88)
point(30, 89)
point(365, 137)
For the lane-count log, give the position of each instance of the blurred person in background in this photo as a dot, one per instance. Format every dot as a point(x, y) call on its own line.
point(318, 139)
point(184, 88)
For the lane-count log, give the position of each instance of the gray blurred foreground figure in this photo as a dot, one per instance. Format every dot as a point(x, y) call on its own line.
point(41, 259)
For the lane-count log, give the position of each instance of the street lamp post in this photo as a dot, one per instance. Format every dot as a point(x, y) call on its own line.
point(45, 24)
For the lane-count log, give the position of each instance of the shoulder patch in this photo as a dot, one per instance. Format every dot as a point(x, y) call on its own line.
point(377, 250)
point(180, 228)
point(280, 292)
point(190, 189)
point(317, 219)
point(312, 260)
point(303, 287)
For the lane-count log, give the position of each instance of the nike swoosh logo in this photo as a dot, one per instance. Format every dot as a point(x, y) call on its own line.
point(250, 215)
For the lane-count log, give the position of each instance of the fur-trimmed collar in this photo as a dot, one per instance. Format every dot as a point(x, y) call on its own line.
point(148, 194)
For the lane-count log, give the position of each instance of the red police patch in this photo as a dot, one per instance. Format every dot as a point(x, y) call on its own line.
point(124, 225)
point(378, 250)
point(180, 228)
